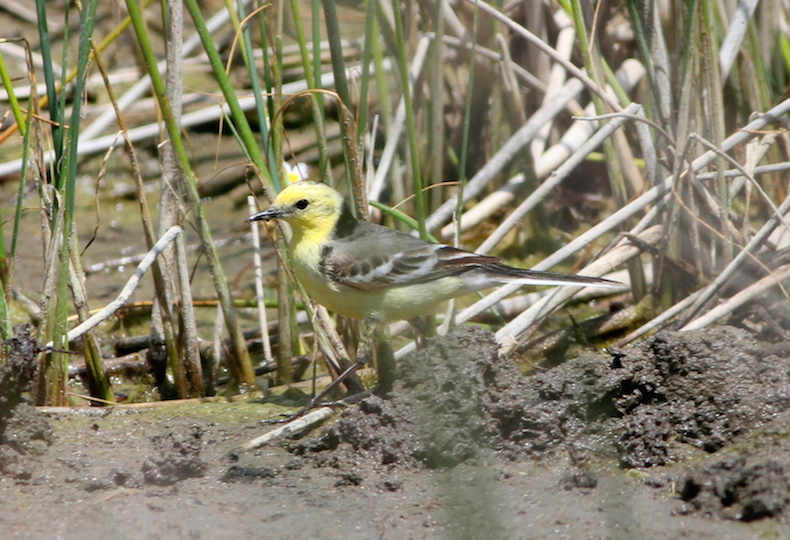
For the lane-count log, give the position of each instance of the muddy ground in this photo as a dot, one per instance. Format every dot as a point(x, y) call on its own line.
point(681, 436)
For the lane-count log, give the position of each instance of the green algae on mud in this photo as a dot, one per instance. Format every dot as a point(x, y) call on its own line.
point(225, 412)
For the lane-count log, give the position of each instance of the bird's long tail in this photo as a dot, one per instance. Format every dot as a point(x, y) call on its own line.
point(507, 274)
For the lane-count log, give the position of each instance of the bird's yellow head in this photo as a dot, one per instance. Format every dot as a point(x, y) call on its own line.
point(311, 208)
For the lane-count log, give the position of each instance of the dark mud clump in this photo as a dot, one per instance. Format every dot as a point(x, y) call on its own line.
point(706, 389)
point(23, 430)
point(737, 488)
point(177, 457)
point(746, 482)
point(648, 405)
point(457, 400)
point(438, 412)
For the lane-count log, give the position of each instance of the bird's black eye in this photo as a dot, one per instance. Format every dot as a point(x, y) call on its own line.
point(302, 204)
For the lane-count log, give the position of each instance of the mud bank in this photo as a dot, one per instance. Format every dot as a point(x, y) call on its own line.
point(683, 435)
point(648, 405)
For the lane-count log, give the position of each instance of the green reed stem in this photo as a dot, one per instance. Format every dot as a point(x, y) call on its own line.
point(411, 126)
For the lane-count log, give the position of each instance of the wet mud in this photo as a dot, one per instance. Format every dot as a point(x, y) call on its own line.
point(672, 399)
point(23, 430)
point(644, 404)
point(683, 435)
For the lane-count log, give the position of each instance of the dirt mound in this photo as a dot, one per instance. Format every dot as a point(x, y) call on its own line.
point(747, 482)
point(707, 389)
point(457, 400)
point(452, 402)
point(668, 400)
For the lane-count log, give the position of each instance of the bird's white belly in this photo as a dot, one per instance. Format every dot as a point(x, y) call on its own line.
point(409, 301)
point(392, 304)
point(335, 297)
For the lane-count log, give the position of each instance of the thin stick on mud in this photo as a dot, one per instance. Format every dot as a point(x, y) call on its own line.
point(291, 428)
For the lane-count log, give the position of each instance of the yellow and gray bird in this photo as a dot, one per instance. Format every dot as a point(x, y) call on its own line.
point(368, 271)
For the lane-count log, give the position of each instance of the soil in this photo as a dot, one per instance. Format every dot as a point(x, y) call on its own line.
point(681, 436)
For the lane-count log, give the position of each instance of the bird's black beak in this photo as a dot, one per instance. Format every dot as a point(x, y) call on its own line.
point(273, 212)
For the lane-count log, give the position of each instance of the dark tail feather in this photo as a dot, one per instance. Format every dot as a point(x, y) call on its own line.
point(507, 274)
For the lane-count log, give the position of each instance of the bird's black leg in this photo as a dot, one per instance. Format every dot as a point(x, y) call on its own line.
point(423, 329)
point(358, 363)
point(375, 342)
point(385, 362)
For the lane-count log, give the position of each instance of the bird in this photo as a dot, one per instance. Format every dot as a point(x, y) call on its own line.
point(371, 272)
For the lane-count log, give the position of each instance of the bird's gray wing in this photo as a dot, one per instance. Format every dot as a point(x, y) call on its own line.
point(375, 257)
